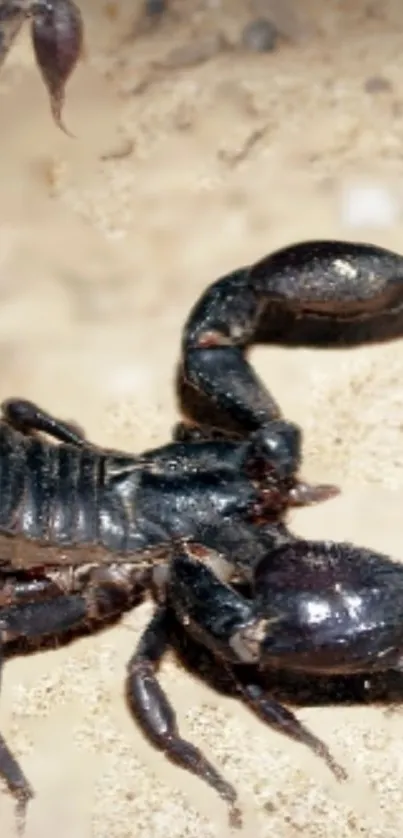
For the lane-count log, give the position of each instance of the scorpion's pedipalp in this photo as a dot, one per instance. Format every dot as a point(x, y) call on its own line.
point(320, 293)
point(234, 629)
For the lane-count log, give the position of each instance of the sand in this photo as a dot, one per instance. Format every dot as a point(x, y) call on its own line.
point(191, 160)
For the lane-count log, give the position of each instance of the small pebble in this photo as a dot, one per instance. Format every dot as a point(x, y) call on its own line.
point(377, 84)
point(260, 35)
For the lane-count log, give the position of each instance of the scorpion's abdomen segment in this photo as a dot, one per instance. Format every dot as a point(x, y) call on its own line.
point(47, 492)
point(58, 496)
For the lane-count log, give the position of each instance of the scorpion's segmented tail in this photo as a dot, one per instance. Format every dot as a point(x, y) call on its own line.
point(319, 293)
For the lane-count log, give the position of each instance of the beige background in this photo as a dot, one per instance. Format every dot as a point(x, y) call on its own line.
point(187, 163)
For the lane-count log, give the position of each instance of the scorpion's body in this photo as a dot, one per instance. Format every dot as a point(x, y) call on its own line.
point(65, 505)
point(202, 521)
point(56, 502)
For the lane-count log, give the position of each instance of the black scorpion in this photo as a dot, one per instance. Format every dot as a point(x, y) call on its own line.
point(201, 523)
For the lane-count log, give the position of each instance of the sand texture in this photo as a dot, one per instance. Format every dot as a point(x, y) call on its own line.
point(193, 157)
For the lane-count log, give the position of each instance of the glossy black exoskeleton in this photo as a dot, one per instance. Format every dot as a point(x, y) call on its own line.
point(201, 523)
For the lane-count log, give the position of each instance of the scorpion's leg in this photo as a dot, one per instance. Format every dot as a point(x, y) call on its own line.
point(227, 623)
point(22, 587)
point(39, 607)
point(284, 721)
point(26, 416)
point(59, 613)
point(31, 620)
point(14, 777)
point(12, 16)
point(12, 592)
point(323, 293)
point(153, 711)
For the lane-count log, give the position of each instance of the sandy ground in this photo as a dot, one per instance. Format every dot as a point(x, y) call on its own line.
point(189, 162)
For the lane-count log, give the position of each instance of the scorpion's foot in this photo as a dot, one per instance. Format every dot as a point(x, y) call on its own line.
point(150, 705)
point(17, 784)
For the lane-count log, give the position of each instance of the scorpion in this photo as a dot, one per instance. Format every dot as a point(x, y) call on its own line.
point(200, 524)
